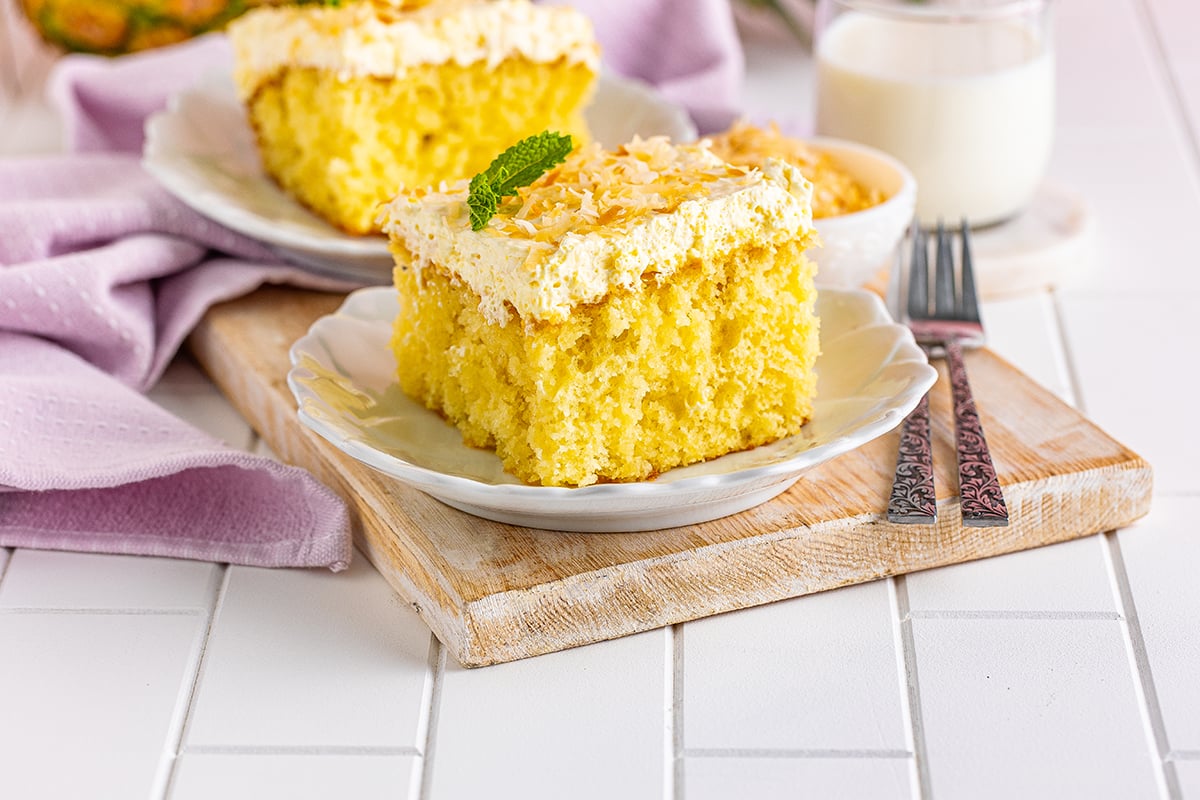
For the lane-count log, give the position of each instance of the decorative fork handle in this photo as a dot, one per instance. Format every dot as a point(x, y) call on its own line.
point(978, 488)
point(913, 499)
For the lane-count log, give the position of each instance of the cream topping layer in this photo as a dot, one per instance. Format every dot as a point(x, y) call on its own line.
point(542, 267)
point(375, 39)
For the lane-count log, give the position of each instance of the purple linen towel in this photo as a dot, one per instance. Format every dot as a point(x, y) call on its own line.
point(688, 49)
point(102, 275)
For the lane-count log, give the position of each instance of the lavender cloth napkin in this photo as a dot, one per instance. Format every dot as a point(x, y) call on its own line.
point(688, 49)
point(102, 275)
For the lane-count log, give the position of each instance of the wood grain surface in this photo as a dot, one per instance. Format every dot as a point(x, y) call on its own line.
point(494, 593)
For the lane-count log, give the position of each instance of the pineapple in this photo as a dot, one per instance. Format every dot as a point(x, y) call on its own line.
point(113, 27)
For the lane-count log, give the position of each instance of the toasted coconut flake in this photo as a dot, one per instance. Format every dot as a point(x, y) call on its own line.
point(597, 189)
point(834, 191)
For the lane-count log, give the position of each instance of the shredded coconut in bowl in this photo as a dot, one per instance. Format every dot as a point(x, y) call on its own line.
point(835, 192)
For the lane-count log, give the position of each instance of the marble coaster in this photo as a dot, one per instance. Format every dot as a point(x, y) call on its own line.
point(1041, 247)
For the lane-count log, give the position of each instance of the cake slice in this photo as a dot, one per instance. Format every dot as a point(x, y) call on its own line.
point(628, 312)
point(350, 102)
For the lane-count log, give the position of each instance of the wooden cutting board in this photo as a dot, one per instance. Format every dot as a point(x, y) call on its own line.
point(494, 593)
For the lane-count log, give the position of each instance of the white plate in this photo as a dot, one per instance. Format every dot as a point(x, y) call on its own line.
point(202, 150)
point(870, 375)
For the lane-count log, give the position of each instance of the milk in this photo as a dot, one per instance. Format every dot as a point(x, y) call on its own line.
point(968, 106)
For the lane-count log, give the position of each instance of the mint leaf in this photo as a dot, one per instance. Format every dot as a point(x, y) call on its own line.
point(519, 165)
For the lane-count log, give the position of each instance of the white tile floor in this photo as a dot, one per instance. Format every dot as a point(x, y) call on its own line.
point(260, 665)
point(1058, 700)
point(43, 579)
point(1066, 580)
point(592, 722)
point(749, 686)
point(1160, 557)
point(1097, 344)
point(1069, 671)
point(296, 776)
point(843, 777)
point(104, 689)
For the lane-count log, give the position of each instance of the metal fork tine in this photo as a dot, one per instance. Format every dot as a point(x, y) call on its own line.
point(918, 276)
point(943, 286)
point(969, 300)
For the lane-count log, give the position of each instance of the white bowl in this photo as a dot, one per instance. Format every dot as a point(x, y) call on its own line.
point(856, 246)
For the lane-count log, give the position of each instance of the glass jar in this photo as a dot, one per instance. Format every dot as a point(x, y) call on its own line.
point(961, 91)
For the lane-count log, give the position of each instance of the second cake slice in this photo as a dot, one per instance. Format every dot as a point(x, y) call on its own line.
point(351, 102)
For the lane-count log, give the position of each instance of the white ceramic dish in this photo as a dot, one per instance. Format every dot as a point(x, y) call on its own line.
point(871, 375)
point(202, 150)
point(855, 247)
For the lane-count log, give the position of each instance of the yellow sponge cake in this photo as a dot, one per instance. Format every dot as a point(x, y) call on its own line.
point(350, 102)
point(628, 312)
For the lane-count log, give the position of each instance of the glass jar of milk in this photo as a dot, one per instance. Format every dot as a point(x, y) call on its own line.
point(961, 91)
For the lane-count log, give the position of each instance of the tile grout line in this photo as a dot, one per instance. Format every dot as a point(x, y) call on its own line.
point(1178, 493)
point(1102, 292)
point(298, 750)
point(668, 710)
point(7, 552)
point(217, 593)
point(1073, 381)
point(1030, 615)
point(1159, 49)
point(1139, 662)
point(790, 753)
point(422, 779)
point(1183, 755)
point(677, 751)
point(178, 611)
point(910, 694)
point(1056, 340)
point(431, 666)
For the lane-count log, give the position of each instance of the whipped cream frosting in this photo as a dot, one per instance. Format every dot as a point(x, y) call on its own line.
point(543, 268)
point(382, 40)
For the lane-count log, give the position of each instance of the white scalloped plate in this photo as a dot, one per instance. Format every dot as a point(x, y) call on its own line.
point(202, 150)
point(870, 375)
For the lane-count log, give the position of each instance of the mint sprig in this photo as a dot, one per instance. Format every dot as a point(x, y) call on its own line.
point(519, 165)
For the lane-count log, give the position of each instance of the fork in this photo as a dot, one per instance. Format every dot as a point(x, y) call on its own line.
point(953, 324)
